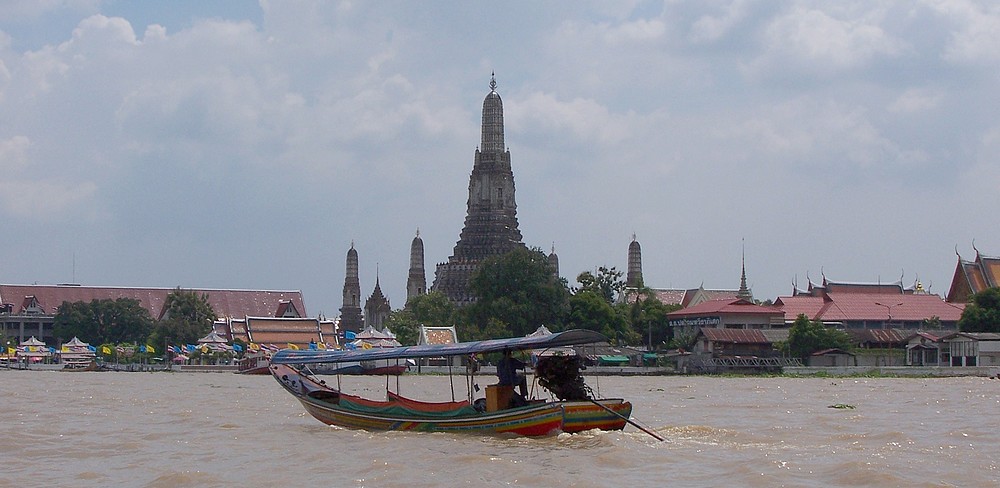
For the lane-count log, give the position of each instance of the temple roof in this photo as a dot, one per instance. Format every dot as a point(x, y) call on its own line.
point(225, 303)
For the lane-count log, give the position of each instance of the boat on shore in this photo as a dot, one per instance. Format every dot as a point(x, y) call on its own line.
point(573, 407)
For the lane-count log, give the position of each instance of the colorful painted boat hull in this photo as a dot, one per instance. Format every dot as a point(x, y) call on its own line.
point(585, 415)
point(532, 420)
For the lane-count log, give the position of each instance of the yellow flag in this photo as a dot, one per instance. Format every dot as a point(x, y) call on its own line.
point(65, 349)
point(322, 346)
point(254, 347)
point(106, 349)
point(292, 346)
point(11, 350)
point(150, 349)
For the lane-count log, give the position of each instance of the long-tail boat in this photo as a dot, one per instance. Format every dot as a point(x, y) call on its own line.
point(572, 408)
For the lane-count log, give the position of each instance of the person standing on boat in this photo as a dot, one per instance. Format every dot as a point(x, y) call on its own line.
point(507, 373)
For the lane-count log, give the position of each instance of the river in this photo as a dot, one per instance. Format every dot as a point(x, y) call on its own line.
point(86, 429)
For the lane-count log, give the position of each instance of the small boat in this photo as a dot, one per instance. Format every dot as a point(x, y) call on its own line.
point(494, 414)
point(81, 366)
point(254, 362)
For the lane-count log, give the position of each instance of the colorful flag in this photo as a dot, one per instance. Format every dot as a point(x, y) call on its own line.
point(106, 349)
point(191, 348)
point(11, 351)
point(292, 346)
point(349, 335)
point(150, 349)
point(65, 349)
point(322, 345)
point(204, 349)
point(91, 348)
point(237, 348)
point(142, 348)
point(312, 346)
point(253, 347)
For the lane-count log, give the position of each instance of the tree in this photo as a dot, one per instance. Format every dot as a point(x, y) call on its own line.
point(982, 314)
point(188, 316)
point(520, 290)
point(648, 316)
point(806, 337)
point(607, 284)
point(103, 321)
point(431, 309)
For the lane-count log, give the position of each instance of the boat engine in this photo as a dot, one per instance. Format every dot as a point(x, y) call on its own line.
point(561, 375)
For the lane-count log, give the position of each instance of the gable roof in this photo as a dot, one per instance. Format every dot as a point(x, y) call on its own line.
point(734, 336)
point(225, 303)
point(973, 277)
point(722, 307)
point(843, 307)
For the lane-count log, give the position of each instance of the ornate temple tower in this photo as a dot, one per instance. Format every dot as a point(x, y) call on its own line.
point(376, 308)
point(633, 279)
point(491, 220)
point(350, 313)
point(554, 261)
point(416, 282)
point(744, 293)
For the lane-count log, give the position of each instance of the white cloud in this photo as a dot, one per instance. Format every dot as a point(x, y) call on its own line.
point(820, 41)
point(14, 154)
point(710, 28)
point(915, 100)
point(42, 201)
point(976, 35)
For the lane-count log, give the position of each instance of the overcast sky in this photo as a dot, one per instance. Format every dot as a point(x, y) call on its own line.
point(230, 144)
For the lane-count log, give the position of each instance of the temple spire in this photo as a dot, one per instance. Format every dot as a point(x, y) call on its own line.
point(744, 293)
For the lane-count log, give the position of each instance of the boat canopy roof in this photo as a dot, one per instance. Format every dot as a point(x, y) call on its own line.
point(566, 338)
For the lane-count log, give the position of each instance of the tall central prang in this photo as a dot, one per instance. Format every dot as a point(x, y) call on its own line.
point(491, 220)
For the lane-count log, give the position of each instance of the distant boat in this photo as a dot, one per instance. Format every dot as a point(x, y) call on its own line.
point(494, 414)
point(254, 362)
point(81, 366)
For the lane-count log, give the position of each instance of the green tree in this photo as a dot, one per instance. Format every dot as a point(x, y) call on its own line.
point(589, 310)
point(431, 309)
point(103, 321)
point(520, 290)
point(607, 284)
point(982, 314)
point(188, 316)
point(648, 317)
point(806, 337)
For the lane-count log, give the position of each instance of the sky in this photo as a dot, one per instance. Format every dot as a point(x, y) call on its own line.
point(245, 145)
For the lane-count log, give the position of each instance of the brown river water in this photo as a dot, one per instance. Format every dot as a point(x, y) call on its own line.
point(86, 429)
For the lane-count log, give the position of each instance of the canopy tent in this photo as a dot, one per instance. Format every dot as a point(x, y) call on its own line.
point(77, 351)
point(566, 338)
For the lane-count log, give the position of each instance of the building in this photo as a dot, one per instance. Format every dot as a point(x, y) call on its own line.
point(870, 306)
point(972, 277)
point(491, 219)
point(416, 280)
point(676, 296)
point(725, 314)
point(279, 331)
point(350, 313)
point(376, 308)
point(29, 310)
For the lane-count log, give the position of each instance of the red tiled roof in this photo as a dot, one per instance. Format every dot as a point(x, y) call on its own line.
point(735, 336)
point(841, 307)
point(810, 306)
point(225, 303)
point(728, 306)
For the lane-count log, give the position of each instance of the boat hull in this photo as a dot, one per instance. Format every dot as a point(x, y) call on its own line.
point(254, 363)
point(533, 420)
point(586, 415)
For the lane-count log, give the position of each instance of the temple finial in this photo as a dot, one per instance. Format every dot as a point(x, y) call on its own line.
point(493, 81)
